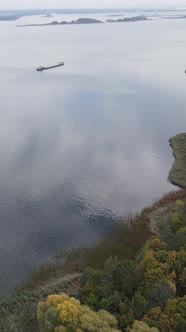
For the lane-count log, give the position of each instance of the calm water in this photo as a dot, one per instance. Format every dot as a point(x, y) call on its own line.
point(87, 143)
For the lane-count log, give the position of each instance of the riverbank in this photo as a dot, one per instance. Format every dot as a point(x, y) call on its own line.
point(177, 174)
point(146, 244)
point(124, 240)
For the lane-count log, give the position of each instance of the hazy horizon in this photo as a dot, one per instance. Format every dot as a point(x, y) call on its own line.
point(90, 4)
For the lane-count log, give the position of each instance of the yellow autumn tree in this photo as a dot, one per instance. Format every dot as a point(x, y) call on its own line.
point(140, 326)
point(60, 313)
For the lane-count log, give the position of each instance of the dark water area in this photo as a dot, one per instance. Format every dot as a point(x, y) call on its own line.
point(85, 144)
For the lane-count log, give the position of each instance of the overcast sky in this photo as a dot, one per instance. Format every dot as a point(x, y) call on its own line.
point(17, 4)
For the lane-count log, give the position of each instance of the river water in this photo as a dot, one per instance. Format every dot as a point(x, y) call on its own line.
point(87, 143)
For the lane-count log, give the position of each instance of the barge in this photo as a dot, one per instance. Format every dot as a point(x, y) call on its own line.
point(41, 68)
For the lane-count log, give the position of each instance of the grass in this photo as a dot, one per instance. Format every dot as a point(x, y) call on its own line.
point(19, 312)
point(124, 240)
point(177, 175)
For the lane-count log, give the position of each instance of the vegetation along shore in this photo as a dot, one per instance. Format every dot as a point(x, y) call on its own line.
point(178, 172)
point(133, 280)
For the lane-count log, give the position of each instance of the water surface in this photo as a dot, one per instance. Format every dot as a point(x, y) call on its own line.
point(87, 143)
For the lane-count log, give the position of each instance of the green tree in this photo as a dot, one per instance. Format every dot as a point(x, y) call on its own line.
point(176, 221)
point(179, 205)
point(161, 292)
point(125, 316)
point(176, 311)
point(139, 306)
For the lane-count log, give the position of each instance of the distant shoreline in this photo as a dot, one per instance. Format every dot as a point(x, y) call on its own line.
point(88, 21)
point(4, 18)
point(13, 14)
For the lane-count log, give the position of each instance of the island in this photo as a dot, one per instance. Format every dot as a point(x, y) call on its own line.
point(74, 22)
point(46, 16)
point(175, 17)
point(177, 175)
point(88, 21)
point(115, 15)
point(128, 19)
point(85, 21)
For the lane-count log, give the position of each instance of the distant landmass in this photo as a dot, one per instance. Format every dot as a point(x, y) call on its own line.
point(175, 17)
point(83, 21)
point(115, 15)
point(87, 21)
point(46, 16)
point(128, 19)
point(74, 22)
point(12, 15)
point(8, 17)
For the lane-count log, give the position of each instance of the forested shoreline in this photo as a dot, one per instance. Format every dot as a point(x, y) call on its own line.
point(133, 280)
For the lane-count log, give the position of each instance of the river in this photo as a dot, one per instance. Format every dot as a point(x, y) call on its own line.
point(84, 144)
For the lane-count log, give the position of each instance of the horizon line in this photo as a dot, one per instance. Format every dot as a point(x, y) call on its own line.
point(92, 8)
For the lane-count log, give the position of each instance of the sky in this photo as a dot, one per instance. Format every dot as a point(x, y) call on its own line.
point(24, 4)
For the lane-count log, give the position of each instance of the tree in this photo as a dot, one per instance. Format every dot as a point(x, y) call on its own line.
point(182, 280)
point(176, 221)
point(138, 305)
point(140, 326)
point(179, 205)
point(172, 318)
point(176, 310)
point(125, 316)
point(154, 270)
point(161, 292)
point(61, 313)
point(155, 244)
point(116, 281)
